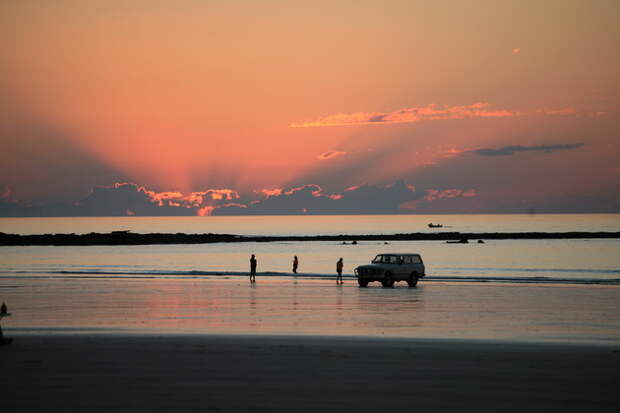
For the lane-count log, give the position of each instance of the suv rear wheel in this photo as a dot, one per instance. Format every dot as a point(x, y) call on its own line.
point(362, 283)
point(413, 280)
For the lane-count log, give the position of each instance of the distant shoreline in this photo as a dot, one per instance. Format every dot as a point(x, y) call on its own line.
point(129, 238)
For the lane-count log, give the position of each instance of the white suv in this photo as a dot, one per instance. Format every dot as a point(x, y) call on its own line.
point(391, 267)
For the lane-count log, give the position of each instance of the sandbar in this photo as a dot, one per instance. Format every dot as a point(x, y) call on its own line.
point(130, 238)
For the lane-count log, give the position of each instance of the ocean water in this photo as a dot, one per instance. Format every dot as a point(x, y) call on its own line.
point(571, 260)
point(317, 225)
point(567, 290)
point(589, 261)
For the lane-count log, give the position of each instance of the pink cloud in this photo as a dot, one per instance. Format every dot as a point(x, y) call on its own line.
point(452, 152)
point(559, 112)
point(410, 115)
point(270, 192)
point(435, 194)
point(220, 194)
point(409, 205)
point(516, 50)
point(178, 199)
point(205, 211)
point(316, 192)
point(235, 204)
point(571, 111)
point(208, 210)
point(330, 154)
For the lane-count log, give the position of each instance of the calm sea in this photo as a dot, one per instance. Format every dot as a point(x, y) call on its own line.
point(317, 225)
point(593, 261)
point(559, 290)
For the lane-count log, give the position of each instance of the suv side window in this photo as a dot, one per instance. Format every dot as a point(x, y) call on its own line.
point(394, 259)
point(416, 259)
point(407, 259)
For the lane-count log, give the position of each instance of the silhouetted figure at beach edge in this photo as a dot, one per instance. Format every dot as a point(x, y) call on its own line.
point(339, 266)
point(4, 313)
point(252, 269)
point(295, 264)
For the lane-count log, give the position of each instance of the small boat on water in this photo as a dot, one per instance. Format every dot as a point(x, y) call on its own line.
point(431, 225)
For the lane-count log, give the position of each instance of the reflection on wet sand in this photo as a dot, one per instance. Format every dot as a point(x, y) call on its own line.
point(398, 309)
point(230, 305)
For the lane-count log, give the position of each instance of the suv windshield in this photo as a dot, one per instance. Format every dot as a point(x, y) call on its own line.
point(379, 259)
point(386, 259)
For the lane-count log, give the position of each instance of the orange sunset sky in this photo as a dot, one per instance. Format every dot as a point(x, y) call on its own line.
point(200, 105)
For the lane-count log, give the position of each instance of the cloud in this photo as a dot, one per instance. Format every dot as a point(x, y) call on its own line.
point(270, 192)
point(330, 154)
point(435, 194)
point(410, 115)
point(569, 111)
point(310, 199)
point(221, 194)
point(126, 198)
point(516, 50)
point(315, 190)
point(510, 150)
point(558, 112)
point(177, 199)
point(131, 199)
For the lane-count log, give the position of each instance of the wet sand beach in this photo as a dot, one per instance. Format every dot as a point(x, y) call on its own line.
point(305, 345)
point(311, 307)
point(111, 372)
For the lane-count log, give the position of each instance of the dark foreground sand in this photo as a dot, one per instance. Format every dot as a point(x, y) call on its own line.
point(105, 372)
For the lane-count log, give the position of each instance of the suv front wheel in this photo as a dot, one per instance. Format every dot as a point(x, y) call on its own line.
point(388, 281)
point(413, 280)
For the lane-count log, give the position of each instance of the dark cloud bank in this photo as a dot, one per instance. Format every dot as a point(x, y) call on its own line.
point(122, 200)
point(309, 200)
point(510, 150)
point(398, 198)
point(449, 190)
point(131, 199)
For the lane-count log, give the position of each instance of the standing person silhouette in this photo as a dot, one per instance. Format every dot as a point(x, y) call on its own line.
point(252, 269)
point(295, 264)
point(339, 266)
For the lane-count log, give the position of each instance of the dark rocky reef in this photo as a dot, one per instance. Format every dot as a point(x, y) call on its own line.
point(129, 238)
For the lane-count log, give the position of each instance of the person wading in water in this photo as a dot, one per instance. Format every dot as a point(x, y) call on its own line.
point(339, 266)
point(295, 264)
point(252, 269)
